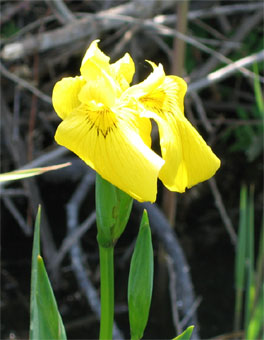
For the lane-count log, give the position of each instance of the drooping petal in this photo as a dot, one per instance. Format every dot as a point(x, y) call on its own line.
point(198, 163)
point(111, 145)
point(123, 71)
point(188, 159)
point(65, 95)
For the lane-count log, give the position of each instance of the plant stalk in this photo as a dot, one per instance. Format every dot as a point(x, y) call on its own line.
point(107, 292)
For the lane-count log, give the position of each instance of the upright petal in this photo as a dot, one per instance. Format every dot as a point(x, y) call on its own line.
point(93, 52)
point(95, 68)
point(154, 80)
point(123, 71)
point(111, 145)
point(65, 95)
point(99, 91)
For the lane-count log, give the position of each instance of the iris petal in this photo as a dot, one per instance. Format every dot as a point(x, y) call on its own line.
point(198, 162)
point(114, 149)
point(188, 159)
point(65, 95)
point(154, 80)
point(123, 71)
point(95, 69)
point(98, 57)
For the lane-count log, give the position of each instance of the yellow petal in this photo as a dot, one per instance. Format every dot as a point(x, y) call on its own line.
point(110, 144)
point(93, 52)
point(188, 159)
point(198, 162)
point(99, 91)
point(65, 95)
point(154, 80)
point(123, 71)
point(96, 71)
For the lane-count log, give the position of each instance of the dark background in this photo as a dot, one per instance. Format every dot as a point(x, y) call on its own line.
point(232, 127)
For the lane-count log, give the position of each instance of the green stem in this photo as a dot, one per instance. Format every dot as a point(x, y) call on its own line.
point(107, 292)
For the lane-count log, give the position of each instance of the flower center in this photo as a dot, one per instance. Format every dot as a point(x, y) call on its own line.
point(99, 118)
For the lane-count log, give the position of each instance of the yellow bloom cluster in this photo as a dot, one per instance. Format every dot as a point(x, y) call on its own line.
point(107, 123)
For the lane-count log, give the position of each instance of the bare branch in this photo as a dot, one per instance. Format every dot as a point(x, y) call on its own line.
point(25, 84)
point(222, 210)
point(61, 11)
point(17, 216)
point(242, 31)
point(226, 72)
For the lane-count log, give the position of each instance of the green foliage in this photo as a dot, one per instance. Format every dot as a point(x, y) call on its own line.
point(258, 92)
point(186, 335)
point(249, 281)
point(140, 281)
point(113, 208)
point(45, 319)
point(9, 29)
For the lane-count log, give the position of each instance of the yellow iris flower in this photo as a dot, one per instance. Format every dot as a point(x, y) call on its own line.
point(107, 123)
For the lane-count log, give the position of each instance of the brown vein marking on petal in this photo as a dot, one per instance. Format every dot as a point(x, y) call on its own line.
point(103, 120)
point(157, 101)
point(161, 102)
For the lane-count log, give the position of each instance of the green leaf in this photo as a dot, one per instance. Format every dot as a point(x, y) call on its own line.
point(50, 325)
point(250, 284)
point(20, 174)
point(140, 281)
point(240, 260)
point(33, 334)
point(186, 335)
point(45, 320)
point(242, 238)
point(113, 208)
point(255, 327)
point(258, 91)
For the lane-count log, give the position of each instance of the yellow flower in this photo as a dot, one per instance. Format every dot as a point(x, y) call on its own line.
point(107, 123)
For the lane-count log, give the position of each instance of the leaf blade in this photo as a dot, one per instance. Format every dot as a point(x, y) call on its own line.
point(140, 283)
point(26, 173)
point(45, 319)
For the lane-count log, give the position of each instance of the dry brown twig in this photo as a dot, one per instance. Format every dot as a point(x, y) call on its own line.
point(222, 210)
point(109, 19)
point(61, 11)
point(226, 71)
point(17, 215)
point(201, 112)
point(164, 30)
point(211, 12)
point(25, 84)
point(71, 239)
point(79, 29)
point(246, 26)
